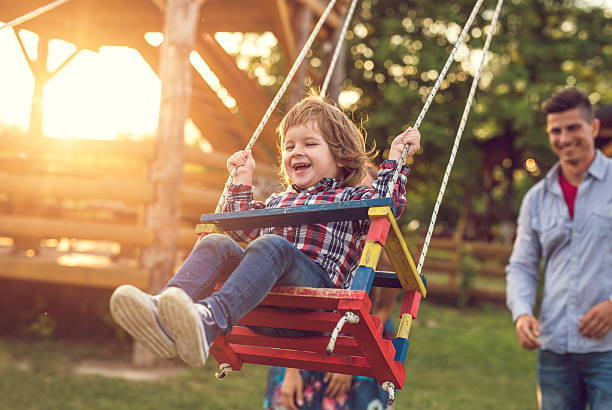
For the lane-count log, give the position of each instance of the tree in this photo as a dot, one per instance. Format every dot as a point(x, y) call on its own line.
point(397, 49)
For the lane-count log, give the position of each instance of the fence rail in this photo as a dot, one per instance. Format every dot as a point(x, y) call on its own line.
point(465, 270)
point(87, 190)
point(99, 191)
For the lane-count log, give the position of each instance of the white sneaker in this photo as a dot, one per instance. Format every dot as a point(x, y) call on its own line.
point(183, 318)
point(136, 312)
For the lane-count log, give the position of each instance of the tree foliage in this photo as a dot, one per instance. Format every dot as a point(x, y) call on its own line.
point(398, 47)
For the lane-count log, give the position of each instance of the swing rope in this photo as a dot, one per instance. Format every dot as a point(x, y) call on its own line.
point(278, 96)
point(34, 13)
point(464, 118)
point(334, 60)
point(433, 92)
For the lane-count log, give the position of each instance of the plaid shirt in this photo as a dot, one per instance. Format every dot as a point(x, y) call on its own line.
point(334, 246)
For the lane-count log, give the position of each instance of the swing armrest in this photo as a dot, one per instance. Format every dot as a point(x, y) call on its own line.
point(291, 216)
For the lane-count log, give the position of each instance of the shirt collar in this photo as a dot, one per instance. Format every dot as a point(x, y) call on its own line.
point(323, 185)
point(598, 166)
point(597, 169)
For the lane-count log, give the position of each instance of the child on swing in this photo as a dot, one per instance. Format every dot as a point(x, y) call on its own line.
point(323, 158)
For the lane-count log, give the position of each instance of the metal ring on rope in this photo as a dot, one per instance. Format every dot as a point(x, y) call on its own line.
point(464, 117)
point(34, 13)
point(390, 389)
point(224, 370)
point(347, 317)
point(278, 96)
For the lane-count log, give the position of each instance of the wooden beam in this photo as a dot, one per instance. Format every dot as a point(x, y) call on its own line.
point(285, 30)
point(134, 190)
point(49, 270)
point(125, 234)
point(296, 91)
point(206, 110)
point(61, 228)
point(238, 15)
point(318, 6)
point(76, 147)
point(251, 100)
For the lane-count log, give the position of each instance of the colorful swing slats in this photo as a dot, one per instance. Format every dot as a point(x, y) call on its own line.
point(363, 353)
point(360, 348)
point(398, 253)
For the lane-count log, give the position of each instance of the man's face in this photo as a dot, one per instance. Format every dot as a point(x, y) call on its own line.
point(571, 137)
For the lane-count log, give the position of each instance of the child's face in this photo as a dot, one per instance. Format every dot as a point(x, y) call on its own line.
point(307, 157)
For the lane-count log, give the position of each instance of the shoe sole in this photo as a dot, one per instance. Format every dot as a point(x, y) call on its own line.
point(178, 313)
point(133, 311)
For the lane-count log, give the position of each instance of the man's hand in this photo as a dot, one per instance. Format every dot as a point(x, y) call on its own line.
point(338, 385)
point(245, 164)
point(527, 332)
point(292, 390)
point(597, 322)
point(410, 137)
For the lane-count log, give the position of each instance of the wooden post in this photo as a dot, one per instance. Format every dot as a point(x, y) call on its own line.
point(304, 27)
point(333, 89)
point(163, 216)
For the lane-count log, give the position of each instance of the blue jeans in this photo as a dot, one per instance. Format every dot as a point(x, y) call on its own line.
point(250, 273)
point(569, 381)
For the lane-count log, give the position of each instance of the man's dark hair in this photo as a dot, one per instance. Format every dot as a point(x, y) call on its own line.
point(568, 99)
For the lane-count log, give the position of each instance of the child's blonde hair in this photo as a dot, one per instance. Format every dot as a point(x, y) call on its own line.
point(345, 140)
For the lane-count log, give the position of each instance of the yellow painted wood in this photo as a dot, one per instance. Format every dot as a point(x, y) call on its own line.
point(371, 253)
point(207, 228)
point(398, 253)
point(403, 330)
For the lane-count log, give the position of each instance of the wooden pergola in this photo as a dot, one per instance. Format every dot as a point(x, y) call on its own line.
point(187, 25)
point(90, 24)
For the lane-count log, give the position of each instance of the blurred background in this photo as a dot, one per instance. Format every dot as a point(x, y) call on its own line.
point(83, 136)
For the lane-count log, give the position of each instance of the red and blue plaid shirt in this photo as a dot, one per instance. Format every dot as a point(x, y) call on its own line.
point(334, 246)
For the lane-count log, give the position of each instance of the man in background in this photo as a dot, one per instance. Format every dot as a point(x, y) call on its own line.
point(565, 222)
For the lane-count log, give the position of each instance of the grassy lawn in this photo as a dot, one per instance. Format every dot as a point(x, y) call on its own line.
point(457, 360)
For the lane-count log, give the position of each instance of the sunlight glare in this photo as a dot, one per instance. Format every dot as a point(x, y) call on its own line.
point(16, 83)
point(213, 81)
point(124, 89)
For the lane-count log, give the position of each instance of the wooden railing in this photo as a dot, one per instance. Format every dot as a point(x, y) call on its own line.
point(464, 270)
point(84, 190)
point(80, 190)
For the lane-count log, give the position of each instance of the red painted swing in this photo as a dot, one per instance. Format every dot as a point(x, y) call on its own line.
point(360, 350)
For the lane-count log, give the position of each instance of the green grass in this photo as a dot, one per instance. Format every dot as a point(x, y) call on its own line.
point(457, 360)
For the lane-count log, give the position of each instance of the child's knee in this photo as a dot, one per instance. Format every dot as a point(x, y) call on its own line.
point(271, 243)
point(217, 241)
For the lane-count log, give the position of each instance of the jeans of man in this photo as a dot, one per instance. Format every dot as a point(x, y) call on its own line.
point(249, 275)
point(569, 381)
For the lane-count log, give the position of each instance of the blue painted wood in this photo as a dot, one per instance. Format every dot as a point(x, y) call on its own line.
point(401, 349)
point(295, 215)
point(363, 278)
point(383, 279)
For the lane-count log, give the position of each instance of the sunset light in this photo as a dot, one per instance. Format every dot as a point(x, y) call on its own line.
point(96, 95)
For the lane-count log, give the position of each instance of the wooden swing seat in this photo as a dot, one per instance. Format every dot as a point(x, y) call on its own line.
point(360, 349)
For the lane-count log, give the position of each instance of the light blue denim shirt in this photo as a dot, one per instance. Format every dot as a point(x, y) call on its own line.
point(577, 256)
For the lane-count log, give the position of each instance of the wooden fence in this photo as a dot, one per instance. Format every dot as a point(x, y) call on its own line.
point(56, 190)
point(464, 270)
